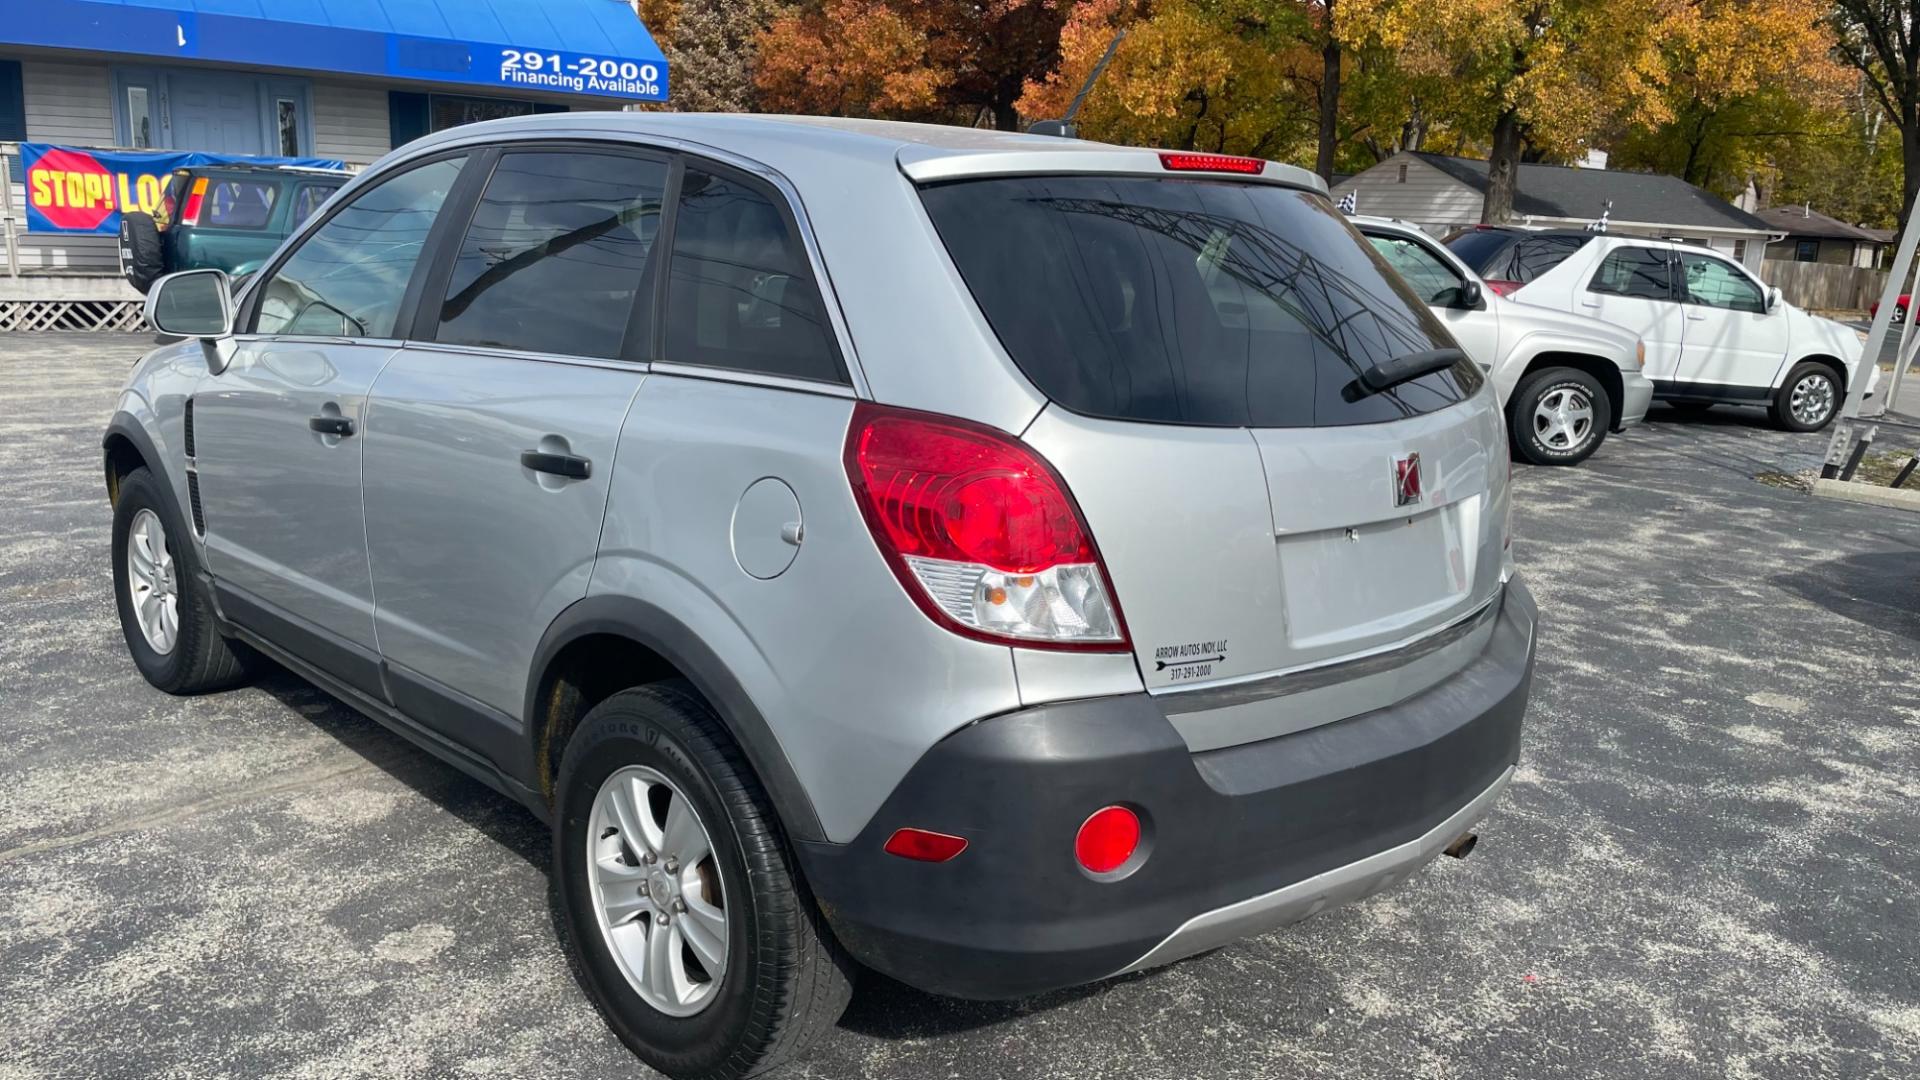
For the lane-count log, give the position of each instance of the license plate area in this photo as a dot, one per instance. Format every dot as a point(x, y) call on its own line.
point(1382, 579)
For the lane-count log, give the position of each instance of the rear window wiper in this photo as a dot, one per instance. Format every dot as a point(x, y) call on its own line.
point(1391, 373)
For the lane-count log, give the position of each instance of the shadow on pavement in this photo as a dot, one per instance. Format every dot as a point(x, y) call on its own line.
point(1880, 590)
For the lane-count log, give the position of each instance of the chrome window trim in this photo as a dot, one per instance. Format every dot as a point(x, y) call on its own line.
point(1178, 700)
point(754, 378)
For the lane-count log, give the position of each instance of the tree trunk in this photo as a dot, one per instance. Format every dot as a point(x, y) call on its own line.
point(1005, 116)
point(1909, 156)
point(1329, 102)
point(1502, 166)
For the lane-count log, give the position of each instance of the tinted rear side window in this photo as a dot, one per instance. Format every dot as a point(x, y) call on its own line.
point(1189, 302)
point(238, 204)
point(1642, 273)
point(555, 256)
point(741, 294)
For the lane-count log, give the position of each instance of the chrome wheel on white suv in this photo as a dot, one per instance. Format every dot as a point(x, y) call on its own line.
point(1808, 399)
point(1558, 416)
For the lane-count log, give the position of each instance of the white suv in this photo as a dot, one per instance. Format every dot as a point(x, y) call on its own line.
point(1714, 333)
point(1564, 380)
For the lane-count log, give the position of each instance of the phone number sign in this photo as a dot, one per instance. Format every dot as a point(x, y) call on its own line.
point(578, 74)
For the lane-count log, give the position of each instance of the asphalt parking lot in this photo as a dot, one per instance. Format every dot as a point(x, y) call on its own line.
point(1707, 867)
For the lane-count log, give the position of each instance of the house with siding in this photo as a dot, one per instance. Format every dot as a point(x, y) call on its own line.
point(339, 81)
point(1809, 236)
point(1441, 193)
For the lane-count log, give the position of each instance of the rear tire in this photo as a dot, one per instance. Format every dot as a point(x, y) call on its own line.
point(782, 980)
point(1808, 399)
point(1558, 416)
point(177, 644)
point(141, 259)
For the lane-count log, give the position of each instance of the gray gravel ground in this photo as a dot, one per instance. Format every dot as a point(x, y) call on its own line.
point(1706, 868)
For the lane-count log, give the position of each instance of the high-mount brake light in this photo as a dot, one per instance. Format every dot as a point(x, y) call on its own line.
point(1246, 166)
point(981, 531)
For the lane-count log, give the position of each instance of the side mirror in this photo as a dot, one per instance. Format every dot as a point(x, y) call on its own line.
point(1773, 298)
point(192, 303)
point(1470, 296)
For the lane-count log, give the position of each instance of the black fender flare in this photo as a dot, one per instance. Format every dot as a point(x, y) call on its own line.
point(660, 631)
point(125, 425)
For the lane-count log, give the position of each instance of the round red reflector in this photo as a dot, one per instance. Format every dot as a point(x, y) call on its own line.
point(1107, 839)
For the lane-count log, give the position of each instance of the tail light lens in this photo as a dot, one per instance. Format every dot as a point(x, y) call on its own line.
point(1504, 288)
point(190, 214)
point(981, 531)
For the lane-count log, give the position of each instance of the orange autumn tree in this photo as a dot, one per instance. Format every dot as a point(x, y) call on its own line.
point(1190, 75)
point(949, 60)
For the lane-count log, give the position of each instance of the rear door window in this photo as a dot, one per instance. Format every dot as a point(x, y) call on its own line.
point(308, 200)
point(1483, 250)
point(238, 204)
point(1187, 301)
point(556, 254)
point(740, 294)
point(1638, 272)
point(1535, 255)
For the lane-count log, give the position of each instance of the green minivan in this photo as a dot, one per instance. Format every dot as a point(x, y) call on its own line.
point(223, 217)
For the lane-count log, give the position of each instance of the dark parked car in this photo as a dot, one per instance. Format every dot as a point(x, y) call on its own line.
point(221, 217)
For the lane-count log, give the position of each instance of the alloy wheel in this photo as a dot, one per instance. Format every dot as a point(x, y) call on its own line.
point(657, 893)
point(1811, 401)
point(152, 582)
point(1563, 418)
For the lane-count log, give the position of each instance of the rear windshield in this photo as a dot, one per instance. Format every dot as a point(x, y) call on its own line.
point(1477, 247)
point(1187, 301)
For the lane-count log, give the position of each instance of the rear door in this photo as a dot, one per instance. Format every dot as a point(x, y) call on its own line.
point(1732, 340)
point(492, 436)
point(1200, 340)
point(1632, 288)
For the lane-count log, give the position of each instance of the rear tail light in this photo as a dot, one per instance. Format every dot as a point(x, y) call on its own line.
point(981, 531)
point(1504, 288)
point(1107, 839)
point(1212, 163)
point(190, 215)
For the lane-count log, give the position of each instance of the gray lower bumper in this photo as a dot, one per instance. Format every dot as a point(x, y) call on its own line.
point(1636, 396)
point(1341, 885)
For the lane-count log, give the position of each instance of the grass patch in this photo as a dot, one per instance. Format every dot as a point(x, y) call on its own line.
point(1879, 467)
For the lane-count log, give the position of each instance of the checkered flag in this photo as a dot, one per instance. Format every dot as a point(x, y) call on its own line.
point(1349, 203)
point(1599, 224)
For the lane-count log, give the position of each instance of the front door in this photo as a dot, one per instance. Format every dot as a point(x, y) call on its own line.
point(1732, 340)
point(1633, 289)
point(280, 432)
point(1438, 285)
point(215, 113)
point(491, 443)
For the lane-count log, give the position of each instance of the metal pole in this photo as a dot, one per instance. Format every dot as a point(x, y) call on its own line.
point(1870, 352)
point(6, 215)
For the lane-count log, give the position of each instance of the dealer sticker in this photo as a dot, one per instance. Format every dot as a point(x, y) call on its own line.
point(1193, 660)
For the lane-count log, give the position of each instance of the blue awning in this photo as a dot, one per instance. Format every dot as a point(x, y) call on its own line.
point(597, 48)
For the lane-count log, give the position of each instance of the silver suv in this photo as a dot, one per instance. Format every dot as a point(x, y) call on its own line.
point(1002, 561)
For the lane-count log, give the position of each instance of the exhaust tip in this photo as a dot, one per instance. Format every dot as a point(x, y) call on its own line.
point(1463, 846)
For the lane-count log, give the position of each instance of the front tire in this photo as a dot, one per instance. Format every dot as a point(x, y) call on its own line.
point(1558, 416)
point(685, 909)
point(1808, 399)
point(165, 613)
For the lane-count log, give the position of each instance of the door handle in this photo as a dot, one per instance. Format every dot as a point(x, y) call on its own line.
point(1584, 302)
point(331, 425)
point(1696, 316)
point(571, 466)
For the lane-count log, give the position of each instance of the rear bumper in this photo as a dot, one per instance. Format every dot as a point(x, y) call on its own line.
point(1236, 841)
point(1636, 395)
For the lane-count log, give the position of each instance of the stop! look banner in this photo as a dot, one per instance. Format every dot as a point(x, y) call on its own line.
point(77, 190)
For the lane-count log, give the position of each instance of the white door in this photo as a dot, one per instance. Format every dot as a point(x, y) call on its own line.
point(1437, 284)
point(1633, 289)
point(1732, 340)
